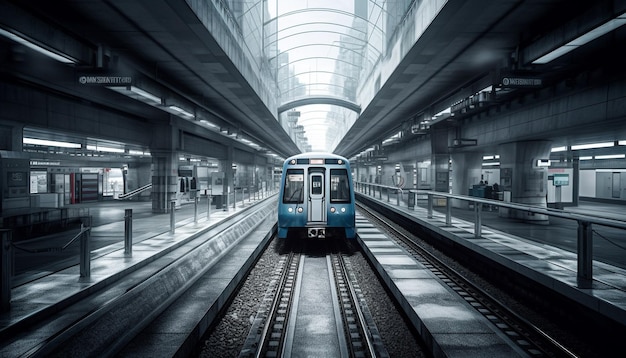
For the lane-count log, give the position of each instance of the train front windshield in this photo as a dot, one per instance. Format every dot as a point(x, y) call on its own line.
point(339, 187)
point(294, 186)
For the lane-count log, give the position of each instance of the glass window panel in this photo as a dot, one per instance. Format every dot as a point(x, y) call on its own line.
point(339, 186)
point(294, 186)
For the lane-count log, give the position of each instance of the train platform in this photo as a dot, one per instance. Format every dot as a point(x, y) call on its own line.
point(547, 255)
point(448, 325)
point(38, 295)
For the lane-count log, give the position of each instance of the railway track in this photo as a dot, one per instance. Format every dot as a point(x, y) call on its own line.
point(313, 307)
point(527, 336)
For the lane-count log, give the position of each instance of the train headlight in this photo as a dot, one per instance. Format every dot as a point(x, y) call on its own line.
point(300, 209)
point(339, 161)
point(290, 210)
point(332, 209)
point(292, 162)
point(343, 210)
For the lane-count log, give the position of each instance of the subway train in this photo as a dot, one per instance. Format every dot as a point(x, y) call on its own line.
point(316, 197)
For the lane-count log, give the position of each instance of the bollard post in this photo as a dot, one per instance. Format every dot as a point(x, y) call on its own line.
point(448, 211)
point(477, 220)
point(208, 210)
point(585, 252)
point(398, 197)
point(430, 206)
point(85, 252)
point(172, 217)
point(249, 195)
point(6, 264)
point(195, 210)
point(234, 198)
point(128, 232)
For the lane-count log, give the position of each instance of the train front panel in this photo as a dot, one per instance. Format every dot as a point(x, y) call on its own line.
point(316, 197)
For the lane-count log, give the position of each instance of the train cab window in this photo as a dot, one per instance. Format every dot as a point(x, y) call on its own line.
point(316, 184)
point(294, 186)
point(339, 186)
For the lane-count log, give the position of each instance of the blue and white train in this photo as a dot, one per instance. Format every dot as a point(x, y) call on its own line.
point(316, 197)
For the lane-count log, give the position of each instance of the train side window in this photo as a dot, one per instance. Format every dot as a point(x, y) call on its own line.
point(294, 186)
point(339, 186)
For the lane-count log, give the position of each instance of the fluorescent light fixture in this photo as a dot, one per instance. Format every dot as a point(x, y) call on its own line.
point(444, 112)
point(23, 41)
point(559, 149)
point(487, 157)
point(611, 156)
point(50, 143)
point(180, 110)
point(588, 157)
point(98, 148)
point(209, 124)
point(491, 164)
point(138, 152)
point(593, 145)
point(582, 40)
point(621, 142)
point(145, 94)
point(543, 162)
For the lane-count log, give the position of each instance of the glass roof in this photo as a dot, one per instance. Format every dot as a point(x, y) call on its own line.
point(318, 50)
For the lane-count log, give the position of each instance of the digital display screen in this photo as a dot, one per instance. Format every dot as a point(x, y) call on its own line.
point(561, 180)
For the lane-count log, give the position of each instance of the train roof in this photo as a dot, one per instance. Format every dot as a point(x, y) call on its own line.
point(316, 155)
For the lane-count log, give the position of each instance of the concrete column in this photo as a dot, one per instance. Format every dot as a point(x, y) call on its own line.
point(440, 165)
point(466, 169)
point(576, 180)
point(229, 177)
point(164, 180)
point(522, 178)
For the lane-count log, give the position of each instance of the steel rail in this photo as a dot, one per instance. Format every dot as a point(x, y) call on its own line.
point(487, 300)
point(353, 297)
point(270, 320)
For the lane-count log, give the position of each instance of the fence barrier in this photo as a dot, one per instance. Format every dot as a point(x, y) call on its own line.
point(584, 222)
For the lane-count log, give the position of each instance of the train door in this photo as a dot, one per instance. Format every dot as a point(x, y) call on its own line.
point(616, 187)
point(317, 202)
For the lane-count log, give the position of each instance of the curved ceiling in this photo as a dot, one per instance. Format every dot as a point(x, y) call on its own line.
point(320, 49)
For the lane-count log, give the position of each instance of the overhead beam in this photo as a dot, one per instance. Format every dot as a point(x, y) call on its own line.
point(320, 100)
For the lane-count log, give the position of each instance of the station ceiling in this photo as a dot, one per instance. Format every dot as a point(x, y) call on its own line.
point(466, 45)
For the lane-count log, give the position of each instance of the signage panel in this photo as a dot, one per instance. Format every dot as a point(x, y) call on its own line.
point(104, 80)
point(521, 82)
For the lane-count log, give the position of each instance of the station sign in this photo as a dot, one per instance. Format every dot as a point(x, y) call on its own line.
point(521, 82)
point(46, 163)
point(104, 80)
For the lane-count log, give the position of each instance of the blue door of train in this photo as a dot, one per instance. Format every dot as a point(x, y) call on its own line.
point(317, 205)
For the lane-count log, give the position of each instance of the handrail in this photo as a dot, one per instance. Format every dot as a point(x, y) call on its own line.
point(56, 248)
point(132, 193)
point(585, 222)
point(615, 223)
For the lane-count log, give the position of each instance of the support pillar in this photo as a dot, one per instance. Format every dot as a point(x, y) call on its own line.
point(229, 177)
point(523, 179)
point(441, 170)
point(466, 170)
point(164, 180)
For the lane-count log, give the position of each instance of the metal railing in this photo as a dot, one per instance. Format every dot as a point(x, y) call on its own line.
point(585, 222)
point(83, 236)
point(6, 258)
point(135, 192)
